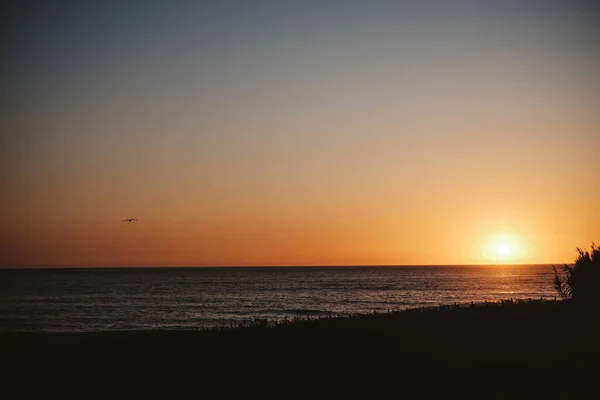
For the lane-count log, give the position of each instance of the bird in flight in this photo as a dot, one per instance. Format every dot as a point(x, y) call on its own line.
point(129, 219)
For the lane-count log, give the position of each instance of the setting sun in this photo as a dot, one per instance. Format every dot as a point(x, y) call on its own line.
point(503, 248)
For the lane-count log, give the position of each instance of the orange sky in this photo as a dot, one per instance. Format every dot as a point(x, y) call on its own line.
point(384, 135)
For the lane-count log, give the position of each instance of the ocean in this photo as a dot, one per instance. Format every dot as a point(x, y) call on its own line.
point(101, 299)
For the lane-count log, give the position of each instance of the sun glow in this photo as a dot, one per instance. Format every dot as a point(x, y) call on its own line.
point(503, 248)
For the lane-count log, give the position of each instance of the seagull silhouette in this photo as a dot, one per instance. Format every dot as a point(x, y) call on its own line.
point(129, 220)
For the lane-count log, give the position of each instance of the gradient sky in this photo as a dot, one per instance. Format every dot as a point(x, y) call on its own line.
point(297, 132)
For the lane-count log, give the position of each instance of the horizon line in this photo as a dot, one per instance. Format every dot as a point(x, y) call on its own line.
point(134, 266)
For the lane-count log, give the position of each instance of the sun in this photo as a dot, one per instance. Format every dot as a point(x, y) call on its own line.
point(503, 248)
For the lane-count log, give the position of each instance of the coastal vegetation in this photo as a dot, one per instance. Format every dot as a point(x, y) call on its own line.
point(580, 282)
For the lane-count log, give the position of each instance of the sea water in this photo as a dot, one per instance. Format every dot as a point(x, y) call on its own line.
point(94, 299)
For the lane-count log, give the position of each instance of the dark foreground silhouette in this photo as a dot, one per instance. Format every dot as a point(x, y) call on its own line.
point(533, 349)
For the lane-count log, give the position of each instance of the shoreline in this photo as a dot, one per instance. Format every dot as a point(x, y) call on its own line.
point(275, 323)
point(517, 314)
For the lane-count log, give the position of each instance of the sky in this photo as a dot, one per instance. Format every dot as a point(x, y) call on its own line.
point(298, 132)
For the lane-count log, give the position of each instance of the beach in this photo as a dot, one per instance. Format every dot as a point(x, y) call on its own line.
point(503, 347)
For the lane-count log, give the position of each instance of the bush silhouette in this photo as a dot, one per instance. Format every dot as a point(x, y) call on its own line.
point(581, 282)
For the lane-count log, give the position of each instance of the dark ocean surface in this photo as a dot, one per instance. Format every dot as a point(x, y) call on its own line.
point(95, 299)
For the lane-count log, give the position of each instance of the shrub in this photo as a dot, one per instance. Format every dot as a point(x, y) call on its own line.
point(581, 282)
